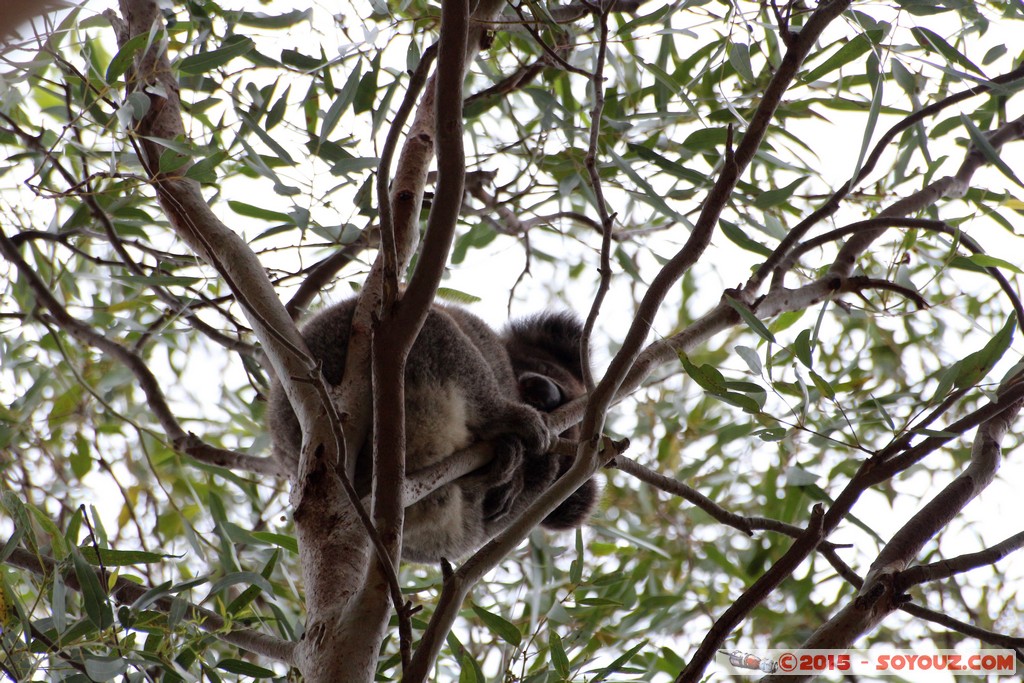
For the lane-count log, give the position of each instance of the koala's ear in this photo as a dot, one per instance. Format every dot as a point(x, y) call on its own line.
point(540, 392)
point(547, 337)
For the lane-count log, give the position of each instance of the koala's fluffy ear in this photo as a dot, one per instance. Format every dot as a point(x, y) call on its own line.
point(547, 343)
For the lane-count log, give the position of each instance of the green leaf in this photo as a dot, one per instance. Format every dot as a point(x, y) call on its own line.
point(924, 8)
point(301, 61)
point(930, 40)
point(179, 608)
point(872, 121)
point(772, 434)
point(739, 58)
point(989, 261)
point(108, 557)
point(619, 662)
point(505, 629)
point(707, 376)
point(975, 366)
point(648, 194)
point(243, 209)
point(151, 596)
point(558, 656)
point(205, 170)
point(741, 401)
point(238, 666)
point(280, 540)
point(576, 568)
point(339, 105)
point(366, 93)
point(752, 321)
point(234, 46)
point(248, 578)
point(771, 198)
point(125, 56)
point(706, 139)
point(81, 459)
point(802, 348)
point(94, 598)
point(11, 544)
point(849, 51)
point(751, 358)
point(994, 54)
point(171, 160)
point(665, 164)
point(633, 539)
point(980, 141)
point(798, 476)
point(823, 386)
point(456, 296)
point(273, 21)
point(105, 668)
point(468, 673)
point(738, 237)
point(159, 280)
point(267, 139)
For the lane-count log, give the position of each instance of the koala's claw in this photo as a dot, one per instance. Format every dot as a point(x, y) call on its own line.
point(498, 502)
point(506, 474)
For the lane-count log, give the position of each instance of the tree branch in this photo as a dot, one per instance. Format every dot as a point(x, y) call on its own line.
point(881, 593)
point(903, 222)
point(957, 626)
point(607, 219)
point(833, 203)
point(950, 186)
point(754, 596)
point(936, 571)
point(332, 560)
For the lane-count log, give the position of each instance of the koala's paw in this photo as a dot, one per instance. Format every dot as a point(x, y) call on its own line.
point(503, 477)
point(529, 425)
point(520, 464)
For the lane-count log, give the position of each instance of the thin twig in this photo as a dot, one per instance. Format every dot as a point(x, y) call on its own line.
point(607, 219)
point(944, 569)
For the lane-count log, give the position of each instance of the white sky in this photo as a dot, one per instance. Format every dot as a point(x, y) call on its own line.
point(993, 517)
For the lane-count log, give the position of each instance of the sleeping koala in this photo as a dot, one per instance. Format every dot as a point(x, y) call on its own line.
point(463, 384)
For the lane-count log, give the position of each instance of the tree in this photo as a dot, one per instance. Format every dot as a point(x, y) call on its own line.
point(795, 199)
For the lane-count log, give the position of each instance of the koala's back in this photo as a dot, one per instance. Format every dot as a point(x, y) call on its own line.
point(326, 334)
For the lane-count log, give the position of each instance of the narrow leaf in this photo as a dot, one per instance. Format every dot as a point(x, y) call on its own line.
point(844, 55)
point(931, 40)
point(120, 558)
point(235, 46)
point(238, 666)
point(558, 656)
point(752, 321)
point(505, 629)
point(94, 598)
point(980, 141)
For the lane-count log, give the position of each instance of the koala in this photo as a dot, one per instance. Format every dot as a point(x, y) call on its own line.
point(464, 383)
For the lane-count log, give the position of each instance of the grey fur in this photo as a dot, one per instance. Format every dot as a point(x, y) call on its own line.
point(460, 388)
point(545, 351)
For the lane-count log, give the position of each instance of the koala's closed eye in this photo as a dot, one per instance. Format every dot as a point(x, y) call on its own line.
point(540, 391)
